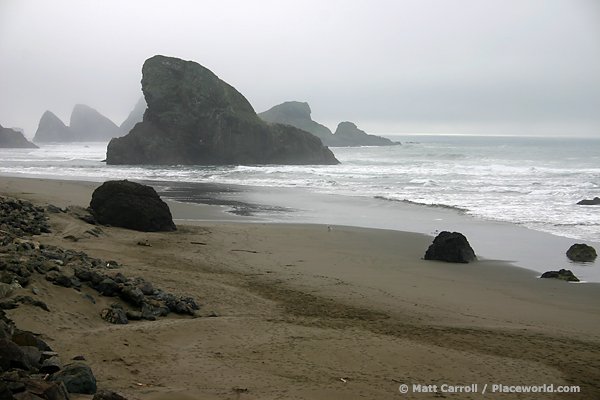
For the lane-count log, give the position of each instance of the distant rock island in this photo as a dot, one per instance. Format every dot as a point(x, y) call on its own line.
point(86, 125)
point(195, 118)
point(297, 114)
point(12, 139)
point(52, 129)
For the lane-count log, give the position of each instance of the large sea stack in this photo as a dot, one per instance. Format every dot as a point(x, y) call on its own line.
point(88, 125)
point(195, 118)
point(52, 129)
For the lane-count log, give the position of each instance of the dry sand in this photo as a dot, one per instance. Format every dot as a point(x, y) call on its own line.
point(311, 313)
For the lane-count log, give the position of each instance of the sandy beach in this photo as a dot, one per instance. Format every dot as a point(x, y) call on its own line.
point(307, 312)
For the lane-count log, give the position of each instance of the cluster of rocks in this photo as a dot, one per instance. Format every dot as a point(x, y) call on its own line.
point(28, 367)
point(453, 247)
point(20, 217)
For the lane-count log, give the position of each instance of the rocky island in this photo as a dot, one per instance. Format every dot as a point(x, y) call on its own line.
point(195, 118)
point(9, 138)
point(347, 134)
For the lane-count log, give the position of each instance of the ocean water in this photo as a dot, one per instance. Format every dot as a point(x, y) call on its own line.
point(533, 183)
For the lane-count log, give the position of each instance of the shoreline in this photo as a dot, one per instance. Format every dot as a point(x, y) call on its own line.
point(308, 313)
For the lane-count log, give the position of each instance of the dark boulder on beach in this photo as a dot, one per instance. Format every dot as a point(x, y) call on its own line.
point(52, 129)
point(563, 274)
point(594, 202)
point(131, 205)
point(582, 253)
point(450, 247)
point(11, 139)
point(195, 118)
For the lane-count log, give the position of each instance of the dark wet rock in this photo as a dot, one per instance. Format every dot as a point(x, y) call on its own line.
point(51, 365)
point(77, 378)
point(54, 209)
point(33, 356)
point(107, 395)
point(9, 138)
point(595, 201)
point(108, 287)
point(582, 253)
point(58, 278)
point(563, 274)
point(133, 295)
point(88, 125)
point(450, 247)
point(40, 389)
point(11, 356)
point(133, 315)
point(28, 300)
point(52, 129)
point(115, 316)
point(194, 118)
point(23, 338)
point(131, 205)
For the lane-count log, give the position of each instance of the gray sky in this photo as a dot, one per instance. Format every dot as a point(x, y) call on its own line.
point(395, 66)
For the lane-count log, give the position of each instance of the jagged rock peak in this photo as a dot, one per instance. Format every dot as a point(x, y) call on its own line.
point(52, 129)
point(136, 115)
point(195, 118)
point(89, 125)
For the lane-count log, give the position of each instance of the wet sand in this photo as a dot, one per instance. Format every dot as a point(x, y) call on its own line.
point(305, 312)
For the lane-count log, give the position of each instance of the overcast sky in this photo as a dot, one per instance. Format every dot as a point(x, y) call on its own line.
point(395, 66)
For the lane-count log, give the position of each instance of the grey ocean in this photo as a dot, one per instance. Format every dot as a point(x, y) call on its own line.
point(521, 185)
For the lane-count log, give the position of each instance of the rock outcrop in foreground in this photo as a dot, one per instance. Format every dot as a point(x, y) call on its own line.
point(194, 118)
point(450, 247)
point(131, 205)
point(297, 114)
point(9, 138)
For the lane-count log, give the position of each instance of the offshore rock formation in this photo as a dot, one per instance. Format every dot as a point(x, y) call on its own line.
point(52, 129)
point(135, 116)
point(88, 125)
point(9, 138)
point(586, 202)
point(131, 205)
point(347, 132)
point(195, 118)
point(297, 114)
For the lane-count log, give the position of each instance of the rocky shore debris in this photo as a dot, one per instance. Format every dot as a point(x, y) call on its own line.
point(594, 202)
point(580, 252)
point(28, 366)
point(131, 205)
point(450, 247)
point(563, 274)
